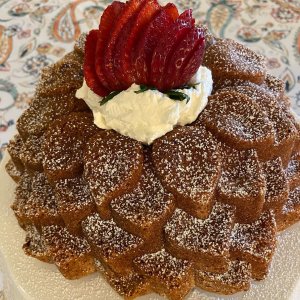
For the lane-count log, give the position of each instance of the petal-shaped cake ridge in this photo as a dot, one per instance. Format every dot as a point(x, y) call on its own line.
point(32, 155)
point(274, 85)
point(14, 149)
point(73, 198)
point(293, 171)
point(277, 185)
point(235, 279)
point(22, 194)
point(188, 163)
point(66, 138)
point(285, 131)
point(242, 183)
point(204, 242)
point(168, 275)
point(35, 202)
point(145, 209)
point(238, 121)
point(229, 59)
point(71, 254)
point(79, 46)
point(290, 213)
point(13, 172)
point(62, 77)
point(112, 166)
point(255, 243)
point(129, 286)
point(111, 244)
point(44, 110)
point(35, 245)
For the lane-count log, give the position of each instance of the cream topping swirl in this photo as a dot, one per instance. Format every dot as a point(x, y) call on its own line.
point(149, 115)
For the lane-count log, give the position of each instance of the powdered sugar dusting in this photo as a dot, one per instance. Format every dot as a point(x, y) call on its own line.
point(239, 120)
point(188, 163)
point(63, 243)
point(257, 239)
point(227, 58)
point(211, 235)
point(80, 43)
point(64, 76)
point(112, 163)
point(148, 201)
point(163, 266)
point(277, 187)
point(241, 175)
point(73, 194)
point(35, 245)
point(283, 127)
point(238, 274)
point(109, 239)
point(293, 202)
point(64, 143)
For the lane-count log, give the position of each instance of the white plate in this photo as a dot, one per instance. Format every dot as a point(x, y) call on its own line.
point(26, 278)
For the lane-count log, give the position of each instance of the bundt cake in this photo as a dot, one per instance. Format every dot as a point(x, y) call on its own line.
point(200, 206)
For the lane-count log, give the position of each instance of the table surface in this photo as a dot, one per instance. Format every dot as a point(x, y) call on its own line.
point(34, 34)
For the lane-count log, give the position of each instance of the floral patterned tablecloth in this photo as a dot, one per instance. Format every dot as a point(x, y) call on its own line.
point(34, 34)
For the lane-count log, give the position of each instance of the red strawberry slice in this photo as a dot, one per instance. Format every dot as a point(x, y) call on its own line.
point(187, 16)
point(108, 20)
point(172, 11)
point(193, 63)
point(131, 8)
point(119, 51)
point(149, 39)
point(181, 56)
point(89, 66)
point(149, 8)
point(166, 46)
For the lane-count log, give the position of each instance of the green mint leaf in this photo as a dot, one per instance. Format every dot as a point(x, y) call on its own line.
point(144, 88)
point(109, 97)
point(179, 96)
point(192, 86)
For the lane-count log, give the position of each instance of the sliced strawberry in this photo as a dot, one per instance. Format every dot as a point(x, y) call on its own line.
point(119, 52)
point(129, 11)
point(187, 16)
point(89, 65)
point(193, 63)
point(108, 18)
point(166, 46)
point(149, 8)
point(171, 10)
point(107, 23)
point(181, 56)
point(149, 39)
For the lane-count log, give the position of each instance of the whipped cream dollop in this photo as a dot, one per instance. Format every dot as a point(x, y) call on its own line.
point(151, 114)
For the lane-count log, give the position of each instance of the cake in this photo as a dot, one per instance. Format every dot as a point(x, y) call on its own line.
point(196, 203)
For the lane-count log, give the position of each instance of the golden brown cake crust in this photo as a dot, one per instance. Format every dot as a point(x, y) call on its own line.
point(229, 59)
point(200, 207)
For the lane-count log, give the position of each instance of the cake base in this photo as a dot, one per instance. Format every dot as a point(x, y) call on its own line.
point(26, 278)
